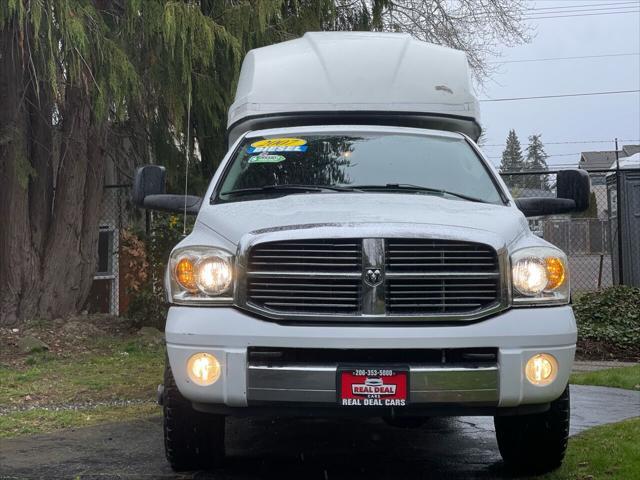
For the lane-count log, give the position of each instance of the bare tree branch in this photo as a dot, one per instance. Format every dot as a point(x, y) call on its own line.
point(479, 27)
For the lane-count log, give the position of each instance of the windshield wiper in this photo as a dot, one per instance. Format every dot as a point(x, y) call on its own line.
point(419, 189)
point(288, 188)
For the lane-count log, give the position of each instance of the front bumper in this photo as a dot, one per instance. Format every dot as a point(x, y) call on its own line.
point(230, 335)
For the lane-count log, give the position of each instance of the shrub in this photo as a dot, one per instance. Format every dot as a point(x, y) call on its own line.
point(147, 306)
point(609, 322)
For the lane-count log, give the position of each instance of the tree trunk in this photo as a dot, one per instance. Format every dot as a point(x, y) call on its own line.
point(49, 231)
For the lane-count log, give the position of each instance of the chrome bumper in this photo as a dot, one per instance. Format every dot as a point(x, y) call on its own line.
point(428, 384)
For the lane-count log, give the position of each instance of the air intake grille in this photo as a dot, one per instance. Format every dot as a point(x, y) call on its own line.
point(458, 294)
point(408, 255)
point(300, 289)
point(307, 255)
point(440, 295)
point(315, 295)
point(420, 278)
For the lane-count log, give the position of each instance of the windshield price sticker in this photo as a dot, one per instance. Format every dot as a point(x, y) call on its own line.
point(278, 145)
point(266, 159)
point(373, 387)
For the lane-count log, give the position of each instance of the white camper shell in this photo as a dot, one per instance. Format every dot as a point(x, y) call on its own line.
point(355, 78)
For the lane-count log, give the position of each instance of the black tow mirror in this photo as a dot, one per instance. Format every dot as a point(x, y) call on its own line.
point(149, 193)
point(149, 180)
point(573, 190)
point(173, 203)
point(574, 185)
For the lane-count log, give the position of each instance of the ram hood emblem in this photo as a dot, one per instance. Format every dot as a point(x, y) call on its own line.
point(373, 276)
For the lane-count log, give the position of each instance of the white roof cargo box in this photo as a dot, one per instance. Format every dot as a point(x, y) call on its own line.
point(355, 77)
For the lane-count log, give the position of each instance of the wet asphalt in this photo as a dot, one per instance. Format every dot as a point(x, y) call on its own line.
point(324, 449)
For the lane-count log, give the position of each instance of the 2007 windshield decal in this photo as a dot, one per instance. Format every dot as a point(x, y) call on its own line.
point(273, 145)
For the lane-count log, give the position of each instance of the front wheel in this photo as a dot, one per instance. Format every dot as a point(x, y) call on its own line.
point(192, 440)
point(535, 443)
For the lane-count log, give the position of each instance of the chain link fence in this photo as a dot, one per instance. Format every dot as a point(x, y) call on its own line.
point(590, 239)
point(107, 292)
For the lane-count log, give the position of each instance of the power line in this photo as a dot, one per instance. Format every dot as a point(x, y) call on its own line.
point(585, 10)
point(531, 14)
point(551, 166)
point(556, 1)
point(580, 15)
point(572, 142)
point(567, 58)
point(615, 92)
point(609, 4)
point(548, 156)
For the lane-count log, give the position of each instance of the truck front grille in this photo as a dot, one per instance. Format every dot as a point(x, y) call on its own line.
point(409, 255)
point(419, 278)
point(458, 294)
point(306, 295)
point(307, 256)
point(452, 295)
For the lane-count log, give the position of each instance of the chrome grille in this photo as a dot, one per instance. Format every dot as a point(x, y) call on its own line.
point(304, 255)
point(422, 279)
point(294, 288)
point(321, 295)
point(459, 294)
point(409, 255)
point(452, 295)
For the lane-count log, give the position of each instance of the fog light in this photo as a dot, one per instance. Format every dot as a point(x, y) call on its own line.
point(542, 369)
point(203, 369)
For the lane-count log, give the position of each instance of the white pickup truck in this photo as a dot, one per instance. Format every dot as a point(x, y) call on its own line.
point(356, 253)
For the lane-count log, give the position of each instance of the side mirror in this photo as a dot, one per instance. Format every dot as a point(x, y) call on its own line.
point(573, 190)
point(149, 180)
point(173, 203)
point(575, 185)
point(149, 188)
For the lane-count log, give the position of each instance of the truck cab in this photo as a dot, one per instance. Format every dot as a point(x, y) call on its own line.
point(357, 254)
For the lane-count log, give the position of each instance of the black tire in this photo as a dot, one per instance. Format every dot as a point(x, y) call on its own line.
point(535, 443)
point(192, 440)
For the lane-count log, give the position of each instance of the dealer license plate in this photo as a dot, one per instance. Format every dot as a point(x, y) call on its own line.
point(373, 387)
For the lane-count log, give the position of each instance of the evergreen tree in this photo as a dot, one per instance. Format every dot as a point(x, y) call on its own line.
point(512, 161)
point(82, 81)
point(535, 162)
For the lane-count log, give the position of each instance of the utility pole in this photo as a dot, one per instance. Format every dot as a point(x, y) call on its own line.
point(619, 219)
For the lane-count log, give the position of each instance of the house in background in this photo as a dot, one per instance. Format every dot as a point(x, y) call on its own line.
point(603, 160)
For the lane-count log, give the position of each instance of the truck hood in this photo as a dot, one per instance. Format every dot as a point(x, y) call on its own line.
point(233, 220)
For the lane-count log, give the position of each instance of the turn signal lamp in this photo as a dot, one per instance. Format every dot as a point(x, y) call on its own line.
point(541, 369)
point(185, 274)
point(555, 272)
point(203, 369)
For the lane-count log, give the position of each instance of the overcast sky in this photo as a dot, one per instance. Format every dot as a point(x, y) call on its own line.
point(568, 119)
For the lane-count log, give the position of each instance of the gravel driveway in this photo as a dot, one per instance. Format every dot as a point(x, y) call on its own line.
point(445, 448)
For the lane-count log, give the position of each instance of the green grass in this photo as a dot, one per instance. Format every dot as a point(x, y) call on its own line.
point(123, 370)
point(39, 420)
point(623, 377)
point(128, 370)
point(603, 453)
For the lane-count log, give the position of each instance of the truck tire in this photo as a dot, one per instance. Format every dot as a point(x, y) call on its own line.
point(192, 440)
point(535, 443)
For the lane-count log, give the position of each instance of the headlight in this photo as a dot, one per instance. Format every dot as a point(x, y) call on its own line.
point(200, 275)
point(530, 276)
point(540, 276)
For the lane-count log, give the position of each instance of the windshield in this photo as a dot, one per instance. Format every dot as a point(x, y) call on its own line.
point(264, 167)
